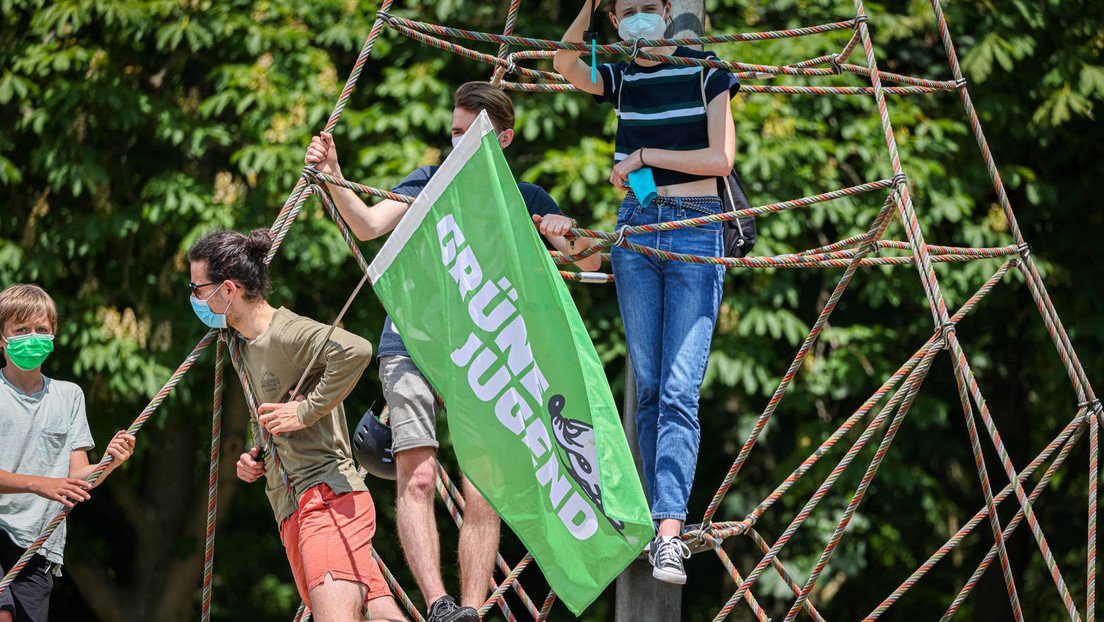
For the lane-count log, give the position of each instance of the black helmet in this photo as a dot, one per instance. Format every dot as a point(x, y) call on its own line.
point(372, 446)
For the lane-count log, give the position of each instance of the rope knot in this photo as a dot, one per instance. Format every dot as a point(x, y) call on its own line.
point(899, 179)
point(834, 61)
point(946, 328)
point(1025, 251)
point(861, 19)
point(636, 44)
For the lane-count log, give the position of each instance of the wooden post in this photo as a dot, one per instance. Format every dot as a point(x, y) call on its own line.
point(641, 598)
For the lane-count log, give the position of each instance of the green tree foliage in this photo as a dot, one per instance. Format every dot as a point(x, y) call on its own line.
point(133, 127)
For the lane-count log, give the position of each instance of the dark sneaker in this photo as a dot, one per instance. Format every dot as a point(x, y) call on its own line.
point(445, 609)
point(666, 554)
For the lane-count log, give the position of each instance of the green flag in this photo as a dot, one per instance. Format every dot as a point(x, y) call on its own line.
point(489, 321)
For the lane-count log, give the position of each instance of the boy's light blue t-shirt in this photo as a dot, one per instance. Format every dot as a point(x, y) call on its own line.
point(37, 433)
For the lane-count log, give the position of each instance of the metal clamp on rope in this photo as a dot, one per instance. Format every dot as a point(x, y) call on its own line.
point(636, 45)
point(834, 61)
point(1025, 250)
point(960, 83)
point(593, 277)
point(620, 239)
point(947, 328)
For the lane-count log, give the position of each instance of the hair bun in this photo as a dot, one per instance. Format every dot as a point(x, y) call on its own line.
point(258, 243)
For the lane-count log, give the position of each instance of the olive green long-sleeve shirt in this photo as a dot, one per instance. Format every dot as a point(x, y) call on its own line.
point(321, 452)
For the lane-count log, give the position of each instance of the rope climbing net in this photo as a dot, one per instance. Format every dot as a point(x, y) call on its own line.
point(883, 412)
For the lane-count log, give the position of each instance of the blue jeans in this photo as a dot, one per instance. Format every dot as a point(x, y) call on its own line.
point(669, 309)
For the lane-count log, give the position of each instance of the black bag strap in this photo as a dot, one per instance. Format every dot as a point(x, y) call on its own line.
point(724, 181)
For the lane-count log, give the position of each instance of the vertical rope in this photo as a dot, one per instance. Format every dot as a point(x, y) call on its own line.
point(503, 48)
point(1055, 327)
point(1090, 556)
point(212, 483)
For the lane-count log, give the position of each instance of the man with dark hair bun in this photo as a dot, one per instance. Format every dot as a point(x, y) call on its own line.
point(412, 403)
point(328, 519)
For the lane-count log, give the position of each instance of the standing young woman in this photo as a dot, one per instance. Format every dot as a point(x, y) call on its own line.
point(676, 120)
point(327, 528)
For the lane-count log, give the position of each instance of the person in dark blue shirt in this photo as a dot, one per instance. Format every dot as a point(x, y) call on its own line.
point(676, 121)
point(410, 399)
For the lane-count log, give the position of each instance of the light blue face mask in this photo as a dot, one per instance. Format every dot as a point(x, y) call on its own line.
point(203, 311)
point(643, 25)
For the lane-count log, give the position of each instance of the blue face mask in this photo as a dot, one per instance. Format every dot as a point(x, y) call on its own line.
point(206, 315)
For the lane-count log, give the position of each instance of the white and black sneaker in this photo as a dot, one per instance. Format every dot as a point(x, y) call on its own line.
point(666, 554)
point(445, 609)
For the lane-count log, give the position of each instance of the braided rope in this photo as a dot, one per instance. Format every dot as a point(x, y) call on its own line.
point(746, 88)
point(212, 483)
point(733, 572)
point(932, 291)
point(1062, 440)
point(397, 589)
point(503, 48)
point(510, 579)
point(1016, 520)
point(613, 48)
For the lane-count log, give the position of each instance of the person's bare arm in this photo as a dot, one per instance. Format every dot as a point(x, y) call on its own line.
point(121, 448)
point(366, 222)
point(64, 490)
point(714, 160)
point(570, 62)
point(553, 227)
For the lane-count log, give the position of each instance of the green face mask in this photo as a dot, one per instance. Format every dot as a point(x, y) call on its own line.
point(29, 351)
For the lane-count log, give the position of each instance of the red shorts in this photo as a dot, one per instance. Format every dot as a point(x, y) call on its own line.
point(332, 534)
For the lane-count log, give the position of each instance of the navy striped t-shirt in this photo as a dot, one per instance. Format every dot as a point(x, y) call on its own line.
point(661, 107)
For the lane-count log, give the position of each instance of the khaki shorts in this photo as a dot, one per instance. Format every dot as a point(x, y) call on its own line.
point(411, 402)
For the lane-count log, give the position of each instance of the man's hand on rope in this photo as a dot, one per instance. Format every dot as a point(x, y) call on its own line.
point(249, 469)
point(277, 418)
point(65, 490)
point(323, 153)
point(553, 224)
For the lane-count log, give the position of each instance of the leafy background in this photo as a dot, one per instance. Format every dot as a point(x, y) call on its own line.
point(131, 127)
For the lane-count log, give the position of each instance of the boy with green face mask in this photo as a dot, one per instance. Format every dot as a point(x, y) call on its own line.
point(44, 438)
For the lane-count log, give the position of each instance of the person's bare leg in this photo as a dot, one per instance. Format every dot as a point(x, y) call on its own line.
point(338, 601)
point(385, 608)
point(5, 616)
point(669, 527)
point(478, 548)
point(416, 477)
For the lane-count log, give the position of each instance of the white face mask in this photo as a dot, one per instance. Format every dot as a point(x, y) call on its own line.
point(643, 25)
